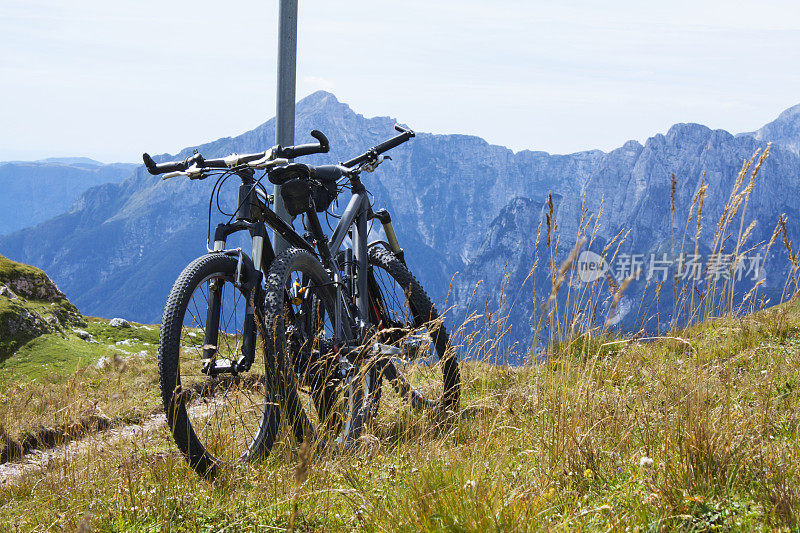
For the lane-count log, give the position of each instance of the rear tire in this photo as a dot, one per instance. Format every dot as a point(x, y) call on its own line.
point(429, 377)
point(321, 398)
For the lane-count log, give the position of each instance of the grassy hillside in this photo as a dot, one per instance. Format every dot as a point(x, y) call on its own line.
point(697, 431)
point(59, 387)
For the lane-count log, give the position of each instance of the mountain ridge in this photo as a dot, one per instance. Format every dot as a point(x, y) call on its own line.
point(35, 191)
point(785, 130)
point(447, 193)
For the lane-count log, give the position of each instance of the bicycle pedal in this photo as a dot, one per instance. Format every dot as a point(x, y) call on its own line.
point(222, 365)
point(345, 366)
point(386, 349)
point(409, 346)
point(417, 340)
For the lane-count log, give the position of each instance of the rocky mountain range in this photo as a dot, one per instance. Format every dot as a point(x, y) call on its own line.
point(784, 130)
point(465, 211)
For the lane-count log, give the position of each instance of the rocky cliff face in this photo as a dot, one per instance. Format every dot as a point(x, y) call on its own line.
point(784, 130)
point(632, 186)
point(460, 205)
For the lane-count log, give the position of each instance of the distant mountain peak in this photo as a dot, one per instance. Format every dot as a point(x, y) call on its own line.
point(790, 114)
point(318, 98)
point(322, 104)
point(784, 130)
point(687, 128)
point(71, 161)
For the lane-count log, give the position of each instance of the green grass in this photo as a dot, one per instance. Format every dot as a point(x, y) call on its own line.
point(12, 312)
point(11, 270)
point(63, 353)
point(52, 353)
point(564, 445)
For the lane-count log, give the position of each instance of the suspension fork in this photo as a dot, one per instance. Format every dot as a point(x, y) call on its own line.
point(361, 265)
point(211, 333)
point(391, 238)
point(249, 274)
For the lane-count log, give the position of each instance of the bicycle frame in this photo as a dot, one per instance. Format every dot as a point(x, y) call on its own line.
point(253, 215)
point(353, 223)
point(356, 211)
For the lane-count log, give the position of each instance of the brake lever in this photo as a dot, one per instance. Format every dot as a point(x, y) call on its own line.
point(195, 173)
point(175, 174)
point(371, 166)
point(266, 162)
point(268, 155)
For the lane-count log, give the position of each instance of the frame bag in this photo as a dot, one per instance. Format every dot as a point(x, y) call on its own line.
point(297, 192)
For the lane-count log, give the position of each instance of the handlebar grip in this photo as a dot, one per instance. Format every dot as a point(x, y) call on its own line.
point(160, 168)
point(401, 129)
point(324, 145)
point(290, 152)
point(393, 142)
point(397, 140)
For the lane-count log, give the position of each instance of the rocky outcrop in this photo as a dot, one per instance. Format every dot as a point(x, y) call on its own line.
point(30, 305)
point(30, 285)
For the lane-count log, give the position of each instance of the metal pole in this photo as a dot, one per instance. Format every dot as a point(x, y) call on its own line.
point(284, 119)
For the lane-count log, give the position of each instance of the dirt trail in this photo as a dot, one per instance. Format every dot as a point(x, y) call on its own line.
point(36, 460)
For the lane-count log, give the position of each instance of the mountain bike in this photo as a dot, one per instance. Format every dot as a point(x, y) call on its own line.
point(346, 317)
point(220, 401)
point(342, 318)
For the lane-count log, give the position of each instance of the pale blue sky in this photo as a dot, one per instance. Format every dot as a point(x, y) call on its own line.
point(110, 80)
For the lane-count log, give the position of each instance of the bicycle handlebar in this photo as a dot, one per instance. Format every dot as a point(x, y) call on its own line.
point(331, 173)
point(288, 152)
point(397, 140)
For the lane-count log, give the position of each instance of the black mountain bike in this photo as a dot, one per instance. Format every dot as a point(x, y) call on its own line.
point(335, 319)
point(219, 399)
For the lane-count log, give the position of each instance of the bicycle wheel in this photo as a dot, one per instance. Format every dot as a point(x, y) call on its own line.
point(322, 388)
point(207, 324)
point(417, 358)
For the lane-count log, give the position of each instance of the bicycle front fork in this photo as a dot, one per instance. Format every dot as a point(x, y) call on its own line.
point(249, 275)
point(386, 221)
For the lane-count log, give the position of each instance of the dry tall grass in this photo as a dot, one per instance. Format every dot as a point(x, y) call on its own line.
point(705, 271)
point(696, 432)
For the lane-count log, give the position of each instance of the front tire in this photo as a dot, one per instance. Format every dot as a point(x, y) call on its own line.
point(222, 418)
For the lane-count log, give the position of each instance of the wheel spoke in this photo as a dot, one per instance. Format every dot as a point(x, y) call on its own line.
point(417, 375)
